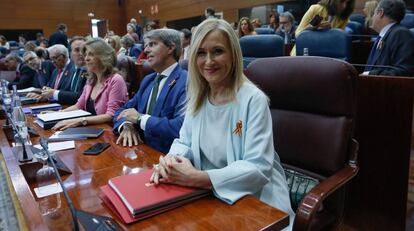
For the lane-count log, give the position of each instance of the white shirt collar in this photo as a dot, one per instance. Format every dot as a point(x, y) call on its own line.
point(385, 29)
point(167, 72)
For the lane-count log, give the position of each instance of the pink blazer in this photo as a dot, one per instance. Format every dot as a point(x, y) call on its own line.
point(112, 95)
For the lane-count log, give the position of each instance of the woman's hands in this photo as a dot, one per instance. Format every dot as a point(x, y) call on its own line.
point(179, 170)
point(71, 123)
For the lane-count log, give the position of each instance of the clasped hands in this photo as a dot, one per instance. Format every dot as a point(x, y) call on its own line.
point(176, 170)
point(42, 95)
point(129, 135)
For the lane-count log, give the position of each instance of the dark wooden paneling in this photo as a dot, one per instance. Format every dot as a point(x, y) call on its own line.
point(378, 195)
point(46, 14)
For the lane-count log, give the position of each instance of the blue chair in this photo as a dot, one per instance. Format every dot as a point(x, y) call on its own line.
point(408, 20)
point(264, 30)
point(357, 18)
point(333, 43)
point(14, 45)
point(356, 27)
point(412, 30)
point(260, 46)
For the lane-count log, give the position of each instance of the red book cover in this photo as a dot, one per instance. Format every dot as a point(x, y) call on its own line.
point(114, 203)
point(140, 197)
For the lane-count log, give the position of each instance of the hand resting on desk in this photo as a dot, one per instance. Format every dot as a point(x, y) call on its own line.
point(178, 170)
point(129, 136)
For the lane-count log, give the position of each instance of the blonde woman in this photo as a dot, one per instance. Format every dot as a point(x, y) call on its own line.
point(232, 114)
point(369, 11)
point(115, 42)
point(105, 90)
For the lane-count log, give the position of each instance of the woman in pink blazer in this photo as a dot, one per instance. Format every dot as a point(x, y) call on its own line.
point(105, 90)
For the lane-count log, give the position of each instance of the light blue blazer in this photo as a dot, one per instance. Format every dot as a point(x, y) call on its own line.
point(253, 165)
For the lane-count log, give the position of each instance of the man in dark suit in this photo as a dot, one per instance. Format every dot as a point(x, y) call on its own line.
point(132, 49)
point(394, 48)
point(43, 69)
point(61, 76)
point(155, 113)
point(78, 79)
point(59, 37)
point(24, 75)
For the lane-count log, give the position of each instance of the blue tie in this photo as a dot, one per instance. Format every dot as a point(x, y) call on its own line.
point(372, 55)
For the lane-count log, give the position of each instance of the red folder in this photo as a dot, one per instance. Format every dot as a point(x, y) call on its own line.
point(134, 198)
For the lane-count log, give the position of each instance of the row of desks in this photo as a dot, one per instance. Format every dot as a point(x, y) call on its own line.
point(91, 172)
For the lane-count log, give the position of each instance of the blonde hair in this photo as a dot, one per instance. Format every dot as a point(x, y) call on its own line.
point(369, 11)
point(104, 53)
point(115, 42)
point(197, 86)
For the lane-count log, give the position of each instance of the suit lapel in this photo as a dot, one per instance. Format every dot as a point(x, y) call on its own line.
point(382, 44)
point(169, 84)
point(66, 76)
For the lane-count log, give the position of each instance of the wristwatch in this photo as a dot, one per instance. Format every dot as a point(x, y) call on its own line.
point(84, 121)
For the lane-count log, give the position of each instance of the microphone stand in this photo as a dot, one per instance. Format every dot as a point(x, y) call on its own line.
point(91, 221)
point(18, 136)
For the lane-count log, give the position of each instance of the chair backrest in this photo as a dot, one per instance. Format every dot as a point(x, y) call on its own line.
point(126, 65)
point(13, 43)
point(260, 46)
point(333, 43)
point(262, 30)
point(408, 20)
point(312, 101)
point(357, 18)
point(357, 28)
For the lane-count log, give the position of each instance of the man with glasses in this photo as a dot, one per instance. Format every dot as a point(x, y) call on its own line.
point(44, 69)
point(393, 51)
point(286, 27)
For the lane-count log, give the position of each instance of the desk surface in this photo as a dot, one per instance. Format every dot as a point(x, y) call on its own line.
point(91, 172)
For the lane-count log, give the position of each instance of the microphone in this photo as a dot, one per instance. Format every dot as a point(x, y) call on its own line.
point(88, 220)
point(18, 136)
point(374, 66)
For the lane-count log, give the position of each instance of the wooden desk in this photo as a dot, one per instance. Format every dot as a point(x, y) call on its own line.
point(91, 172)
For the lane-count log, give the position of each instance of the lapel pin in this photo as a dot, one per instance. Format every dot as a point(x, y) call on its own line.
point(238, 129)
point(172, 83)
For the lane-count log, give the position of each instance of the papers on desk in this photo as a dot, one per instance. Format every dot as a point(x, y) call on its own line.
point(58, 146)
point(28, 90)
point(48, 190)
point(48, 120)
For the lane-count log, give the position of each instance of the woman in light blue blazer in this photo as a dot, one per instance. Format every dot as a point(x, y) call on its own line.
point(226, 141)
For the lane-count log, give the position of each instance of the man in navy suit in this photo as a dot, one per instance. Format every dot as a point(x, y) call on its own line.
point(155, 113)
point(61, 76)
point(59, 37)
point(43, 69)
point(394, 47)
point(132, 49)
point(24, 75)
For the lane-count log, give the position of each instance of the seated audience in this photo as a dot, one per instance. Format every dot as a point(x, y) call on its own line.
point(132, 49)
point(245, 27)
point(59, 37)
point(41, 40)
point(155, 114)
point(4, 43)
point(43, 68)
point(274, 21)
point(286, 27)
point(256, 23)
point(42, 53)
point(115, 42)
point(226, 141)
point(21, 40)
point(369, 11)
point(326, 14)
point(185, 42)
point(105, 90)
point(137, 27)
point(24, 75)
point(29, 46)
point(131, 31)
point(394, 46)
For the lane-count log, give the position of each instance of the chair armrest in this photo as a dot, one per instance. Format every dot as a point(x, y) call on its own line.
point(312, 201)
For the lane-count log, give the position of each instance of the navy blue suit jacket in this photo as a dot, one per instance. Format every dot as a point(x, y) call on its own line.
point(25, 78)
point(135, 51)
point(64, 83)
point(165, 122)
point(71, 96)
point(43, 75)
point(58, 37)
point(397, 50)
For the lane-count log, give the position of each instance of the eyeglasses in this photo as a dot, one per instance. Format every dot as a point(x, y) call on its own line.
point(54, 58)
